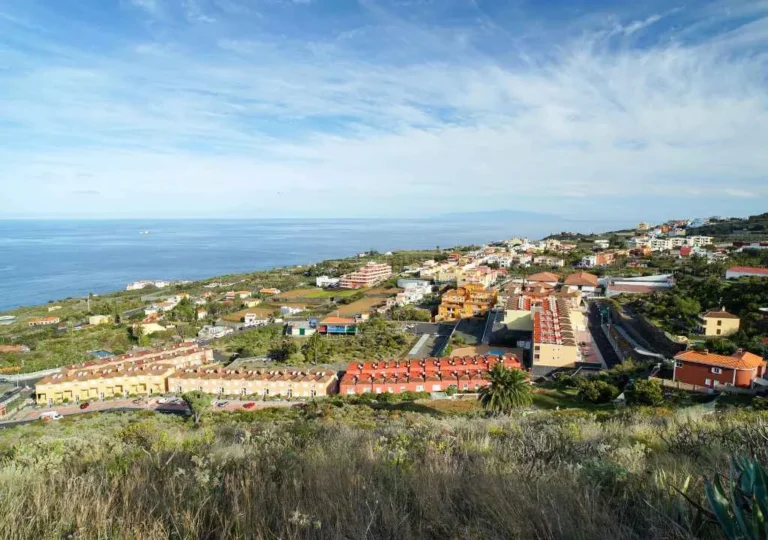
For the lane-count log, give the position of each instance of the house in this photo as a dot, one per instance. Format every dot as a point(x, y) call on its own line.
point(202, 313)
point(290, 310)
point(337, 326)
point(254, 319)
point(581, 281)
point(214, 332)
point(269, 291)
point(642, 226)
point(468, 301)
point(735, 272)
point(96, 320)
point(467, 373)
point(545, 277)
point(369, 275)
point(43, 321)
point(597, 259)
point(242, 295)
point(601, 243)
point(718, 323)
point(53, 308)
point(300, 328)
point(325, 281)
point(699, 241)
point(549, 261)
point(251, 302)
point(715, 370)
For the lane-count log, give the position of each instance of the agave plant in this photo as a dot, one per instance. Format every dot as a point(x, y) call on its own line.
point(741, 510)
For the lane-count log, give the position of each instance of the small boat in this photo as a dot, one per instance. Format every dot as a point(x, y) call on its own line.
point(143, 232)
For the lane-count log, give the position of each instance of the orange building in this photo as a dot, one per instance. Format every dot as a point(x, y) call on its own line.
point(468, 301)
point(715, 370)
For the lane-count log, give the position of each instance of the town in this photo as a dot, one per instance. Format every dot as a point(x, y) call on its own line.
point(432, 323)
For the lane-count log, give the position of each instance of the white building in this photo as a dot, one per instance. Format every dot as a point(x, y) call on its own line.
point(601, 243)
point(253, 319)
point(325, 281)
point(290, 310)
point(214, 332)
point(699, 241)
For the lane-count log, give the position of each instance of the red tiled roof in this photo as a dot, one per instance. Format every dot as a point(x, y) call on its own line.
point(337, 320)
point(718, 314)
point(582, 278)
point(750, 269)
point(544, 276)
point(739, 359)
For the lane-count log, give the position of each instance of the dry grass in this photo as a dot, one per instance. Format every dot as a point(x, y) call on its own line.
point(238, 316)
point(345, 472)
point(364, 305)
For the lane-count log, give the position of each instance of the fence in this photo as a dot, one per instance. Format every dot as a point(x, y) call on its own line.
point(21, 377)
point(706, 389)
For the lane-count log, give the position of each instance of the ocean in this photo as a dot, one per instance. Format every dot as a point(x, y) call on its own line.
point(50, 260)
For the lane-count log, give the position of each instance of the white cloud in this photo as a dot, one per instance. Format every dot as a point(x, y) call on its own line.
point(344, 135)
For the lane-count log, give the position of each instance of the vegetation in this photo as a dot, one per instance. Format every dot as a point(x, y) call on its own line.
point(198, 403)
point(644, 392)
point(336, 470)
point(376, 339)
point(410, 313)
point(509, 390)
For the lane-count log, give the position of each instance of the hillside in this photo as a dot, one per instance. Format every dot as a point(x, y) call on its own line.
point(336, 470)
point(753, 226)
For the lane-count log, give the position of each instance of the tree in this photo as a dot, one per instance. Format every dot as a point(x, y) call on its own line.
point(509, 389)
point(644, 392)
point(284, 351)
point(198, 402)
point(314, 347)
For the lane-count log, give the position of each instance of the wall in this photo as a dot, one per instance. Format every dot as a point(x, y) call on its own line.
point(555, 355)
point(518, 320)
point(727, 327)
point(697, 374)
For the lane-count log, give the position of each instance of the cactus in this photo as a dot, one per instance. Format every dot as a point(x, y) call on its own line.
point(742, 509)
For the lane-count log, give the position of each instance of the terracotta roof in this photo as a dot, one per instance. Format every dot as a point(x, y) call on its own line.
point(750, 269)
point(544, 276)
point(739, 359)
point(718, 314)
point(582, 278)
point(337, 320)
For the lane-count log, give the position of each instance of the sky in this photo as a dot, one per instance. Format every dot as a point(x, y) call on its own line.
point(588, 109)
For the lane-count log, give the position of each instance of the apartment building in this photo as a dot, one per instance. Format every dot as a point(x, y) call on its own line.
point(369, 275)
point(554, 342)
point(598, 259)
point(482, 275)
point(426, 375)
point(121, 380)
point(716, 370)
point(140, 373)
point(468, 301)
point(285, 382)
point(718, 323)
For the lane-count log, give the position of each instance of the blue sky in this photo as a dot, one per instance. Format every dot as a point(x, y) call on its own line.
point(314, 108)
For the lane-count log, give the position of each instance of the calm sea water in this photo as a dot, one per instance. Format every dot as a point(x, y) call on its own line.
point(48, 260)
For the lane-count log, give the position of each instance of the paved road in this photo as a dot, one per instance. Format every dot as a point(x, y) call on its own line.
point(598, 336)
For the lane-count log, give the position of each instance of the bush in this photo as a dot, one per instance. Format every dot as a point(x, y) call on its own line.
point(597, 391)
point(760, 403)
point(644, 392)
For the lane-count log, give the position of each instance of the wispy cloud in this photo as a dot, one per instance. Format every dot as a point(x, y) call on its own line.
point(433, 122)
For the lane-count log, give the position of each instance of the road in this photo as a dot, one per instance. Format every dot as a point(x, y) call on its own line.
point(31, 415)
point(598, 336)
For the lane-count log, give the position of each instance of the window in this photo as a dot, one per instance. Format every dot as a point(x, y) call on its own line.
point(707, 382)
point(290, 392)
point(221, 390)
point(200, 388)
point(719, 323)
point(313, 392)
point(679, 363)
point(419, 388)
point(350, 391)
point(718, 331)
point(717, 370)
point(266, 391)
point(435, 387)
point(243, 391)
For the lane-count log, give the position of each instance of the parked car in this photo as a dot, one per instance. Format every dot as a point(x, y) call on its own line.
point(85, 405)
point(249, 405)
point(138, 401)
point(51, 415)
point(221, 404)
point(163, 401)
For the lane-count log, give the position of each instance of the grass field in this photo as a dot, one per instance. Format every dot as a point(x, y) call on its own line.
point(381, 291)
point(358, 306)
point(316, 294)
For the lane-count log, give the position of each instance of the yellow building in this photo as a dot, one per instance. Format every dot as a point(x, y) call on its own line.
point(140, 373)
point(718, 323)
point(468, 301)
point(96, 320)
point(114, 381)
point(286, 382)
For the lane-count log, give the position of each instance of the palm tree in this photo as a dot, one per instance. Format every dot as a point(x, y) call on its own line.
point(509, 389)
